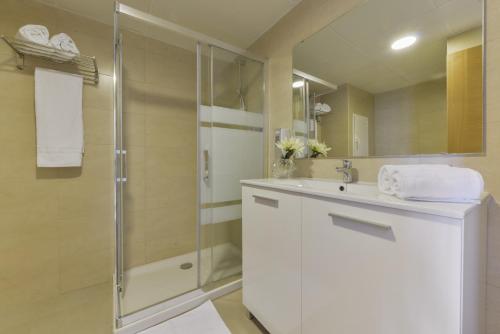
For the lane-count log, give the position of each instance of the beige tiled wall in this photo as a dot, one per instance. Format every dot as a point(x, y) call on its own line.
point(56, 256)
point(310, 16)
point(416, 115)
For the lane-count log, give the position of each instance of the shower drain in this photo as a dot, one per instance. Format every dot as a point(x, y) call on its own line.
point(186, 266)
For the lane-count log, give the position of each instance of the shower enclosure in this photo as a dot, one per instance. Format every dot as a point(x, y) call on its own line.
point(189, 121)
point(307, 90)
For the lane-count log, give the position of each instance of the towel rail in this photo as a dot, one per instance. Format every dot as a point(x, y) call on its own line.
point(85, 66)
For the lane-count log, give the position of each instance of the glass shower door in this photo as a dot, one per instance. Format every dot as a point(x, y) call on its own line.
point(189, 127)
point(157, 158)
point(233, 145)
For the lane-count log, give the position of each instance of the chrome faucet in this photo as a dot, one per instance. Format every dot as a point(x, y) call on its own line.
point(346, 171)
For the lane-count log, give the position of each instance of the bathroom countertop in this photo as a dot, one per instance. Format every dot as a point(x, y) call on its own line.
point(368, 194)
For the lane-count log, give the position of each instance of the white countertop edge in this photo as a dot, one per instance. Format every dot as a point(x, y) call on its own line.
point(449, 210)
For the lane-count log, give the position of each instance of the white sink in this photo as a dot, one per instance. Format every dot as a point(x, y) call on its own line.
point(328, 185)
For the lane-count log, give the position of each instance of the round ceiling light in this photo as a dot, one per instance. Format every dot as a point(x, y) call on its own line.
point(404, 42)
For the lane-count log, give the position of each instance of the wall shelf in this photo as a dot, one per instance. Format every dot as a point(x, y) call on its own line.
point(85, 66)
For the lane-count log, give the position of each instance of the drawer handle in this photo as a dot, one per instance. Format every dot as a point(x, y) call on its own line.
point(361, 221)
point(265, 198)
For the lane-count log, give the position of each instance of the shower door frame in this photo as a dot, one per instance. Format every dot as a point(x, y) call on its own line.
point(131, 323)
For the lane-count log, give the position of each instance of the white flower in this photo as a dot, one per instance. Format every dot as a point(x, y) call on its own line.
point(318, 148)
point(290, 147)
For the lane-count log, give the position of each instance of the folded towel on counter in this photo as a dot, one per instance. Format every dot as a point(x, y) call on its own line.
point(431, 183)
point(386, 181)
point(66, 44)
point(33, 33)
point(59, 123)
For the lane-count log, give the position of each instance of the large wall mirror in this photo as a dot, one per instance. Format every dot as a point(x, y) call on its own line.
point(394, 78)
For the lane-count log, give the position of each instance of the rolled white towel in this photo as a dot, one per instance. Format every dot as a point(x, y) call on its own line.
point(325, 108)
point(33, 33)
point(64, 43)
point(433, 183)
point(386, 180)
point(317, 106)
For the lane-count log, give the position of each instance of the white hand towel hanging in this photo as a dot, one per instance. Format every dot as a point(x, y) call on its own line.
point(59, 119)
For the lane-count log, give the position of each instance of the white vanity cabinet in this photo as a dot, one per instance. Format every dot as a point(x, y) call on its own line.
point(392, 268)
point(271, 263)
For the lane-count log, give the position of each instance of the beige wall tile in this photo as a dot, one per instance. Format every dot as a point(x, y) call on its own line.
point(73, 25)
point(100, 96)
point(97, 123)
point(134, 130)
point(97, 165)
point(96, 46)
point(135, 92)
point(162, 248)
point(135, 188)
point(79, 198)
point(85, 269)
point(83, 234)
point(87, 310)
point(134, 238)
point(170, 189)
point(134, 62)
point(180, 75)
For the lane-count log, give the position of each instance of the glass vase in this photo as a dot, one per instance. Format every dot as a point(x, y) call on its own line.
point(283, 168)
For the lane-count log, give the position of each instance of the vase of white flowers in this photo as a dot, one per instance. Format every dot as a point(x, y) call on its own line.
point(318, 149)
point(289, 148)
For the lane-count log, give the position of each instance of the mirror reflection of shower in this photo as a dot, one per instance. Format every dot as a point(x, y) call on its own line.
point(309, 105)
point(241, 62)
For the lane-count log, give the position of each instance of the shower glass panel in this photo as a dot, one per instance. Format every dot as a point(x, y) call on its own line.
point(159, 143)
point(232, 138)
point(189, 127)
point(299, 110)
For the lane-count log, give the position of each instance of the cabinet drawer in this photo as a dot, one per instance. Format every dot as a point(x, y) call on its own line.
point(369, 269)
point(271, 258)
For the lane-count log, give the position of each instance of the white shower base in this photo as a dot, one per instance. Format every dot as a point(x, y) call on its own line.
point(156, 282)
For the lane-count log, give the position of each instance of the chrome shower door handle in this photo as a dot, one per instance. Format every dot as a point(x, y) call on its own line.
point(125, 169)
point(206, 171)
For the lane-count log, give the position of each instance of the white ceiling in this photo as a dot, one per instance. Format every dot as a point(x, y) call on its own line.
point(238, 22)
point(356, 48)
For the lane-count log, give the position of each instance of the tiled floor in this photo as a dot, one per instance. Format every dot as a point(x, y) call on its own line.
point(235, 315)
